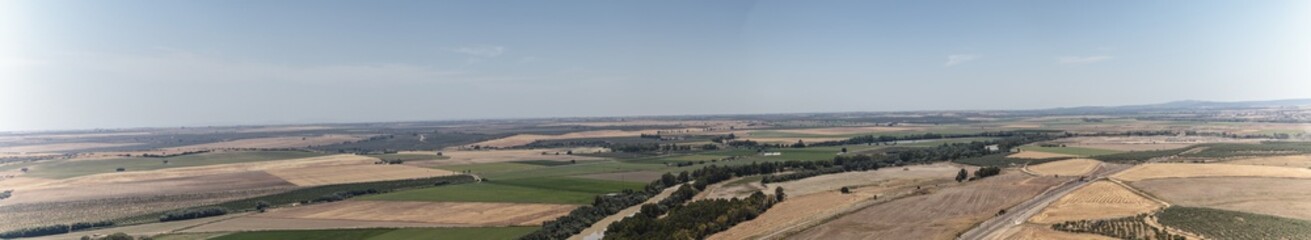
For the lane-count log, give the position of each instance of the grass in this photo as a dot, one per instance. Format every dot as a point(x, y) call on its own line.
point(1000, 160)
point(562, 190)
point(590, 167)
point(486, 168)
point(490, 233)
point(1220, 150)
point(60, 169)
point(1139, 156)
point(548, 163)
point(1223, 224)
point(1077, 151)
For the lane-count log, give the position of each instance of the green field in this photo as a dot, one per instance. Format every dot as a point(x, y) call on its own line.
point(1076, 151)
point(67, 168)
point(563, 190)
point(576, 169)
point(488, 168)
point(386, 234)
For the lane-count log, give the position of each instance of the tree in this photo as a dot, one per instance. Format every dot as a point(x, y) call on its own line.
point(962, 175)
point(261, 206)
point(120, 169)
point(778, 193)
point(844, 150)
point(570, 152)
point(845, 190)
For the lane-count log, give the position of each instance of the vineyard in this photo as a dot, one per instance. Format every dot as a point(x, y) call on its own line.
point(1134, 227)
point(1222, 224)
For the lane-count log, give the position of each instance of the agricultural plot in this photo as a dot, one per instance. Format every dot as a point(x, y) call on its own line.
point(1132, 227)
point(1098, 200)
point(1221, 224)
point(534, 190)
point(1039, 155)
point(59, 169)
point(60, 147)
point(1189, 170)
point(329, 175)
point(1072, 167)
point(278, 142)
point(490, 233)
point(1044, 232)
point(1002, 160)
point(1283, 197)
point(486, 168)
point(1074, 151)
point(1293, 161)
point(463, 214)
point(580, 169)
point(461, 157)
point(941, 214)
point(426, 156)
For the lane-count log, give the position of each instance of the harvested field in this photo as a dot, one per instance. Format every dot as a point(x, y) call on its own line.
point(133, 176)
point(1188, 170)
point(279, 142)
point(253, 223)
point(1038, 155)
point(1098, 200)
point(1070, 167)
point(447, 213)
point(461, 157)
point(1043, 232)
point(83, 167)
point(486, 233)
point(1144, 143)
point(1075, 151)
point(941, 214)
point(143, 229)
point(61, 147)
point(328, 175)
point(1282, 197)
point(800, 212)
point(1293, 161)
point(922, 174)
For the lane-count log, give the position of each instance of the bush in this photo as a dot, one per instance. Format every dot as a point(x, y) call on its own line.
point(986, 172)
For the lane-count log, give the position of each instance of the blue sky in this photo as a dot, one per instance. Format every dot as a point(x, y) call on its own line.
point(109, 64)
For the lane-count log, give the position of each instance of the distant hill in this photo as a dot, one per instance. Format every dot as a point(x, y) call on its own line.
point(1178, 105)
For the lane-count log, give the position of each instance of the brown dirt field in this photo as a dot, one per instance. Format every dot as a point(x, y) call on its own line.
point(253, 223)
point(328, 175)
point(1294, 161)
point(460, 157)
point(799, 212)
point(91, 180)
point(1037, 155)
point(278, 142)
point(449, 213)
point(918, 173)
point(847, 130)
point(1043, 232)
point(941, 214)
point(59, 147)
point(1272, 196)
point(1070, 167)
point(1098, 200)
point(1189, 170)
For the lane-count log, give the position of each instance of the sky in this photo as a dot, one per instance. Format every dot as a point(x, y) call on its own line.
point(121, 64)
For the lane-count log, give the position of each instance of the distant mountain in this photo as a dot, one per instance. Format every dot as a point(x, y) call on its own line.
point(1180, 105)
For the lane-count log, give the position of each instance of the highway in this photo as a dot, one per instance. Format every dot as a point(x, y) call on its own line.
point(995, 227)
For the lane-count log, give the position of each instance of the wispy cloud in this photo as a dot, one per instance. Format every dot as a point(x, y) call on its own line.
point(957, 59)
point(481, 52)
point(1083, 59)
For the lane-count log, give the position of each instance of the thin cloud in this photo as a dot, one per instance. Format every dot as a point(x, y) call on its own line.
point(1083, 59)
point(957, 59)
point(481, 51)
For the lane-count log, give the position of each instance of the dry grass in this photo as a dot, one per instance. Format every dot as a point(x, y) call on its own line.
point(1070, 167)
point(278, 142)
point(135, 176)
point(141, 230)
point(801, 211)
point(1098, 200)
point(1189, 170)
point(253, 223)
point(1043, 232)
point(328, 175)
point(1273, 196)
point(59, 147)
point(1037, 155)
point(1294, 161)
point(939, 215)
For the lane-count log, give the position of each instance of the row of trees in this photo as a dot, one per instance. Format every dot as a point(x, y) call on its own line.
point(192, 213)
point(696, 220)
point(53, 229)
point(953, 151)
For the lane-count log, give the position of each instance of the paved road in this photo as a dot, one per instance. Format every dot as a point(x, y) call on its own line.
point(993, 228)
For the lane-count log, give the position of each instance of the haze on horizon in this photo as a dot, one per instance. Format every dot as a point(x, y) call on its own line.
point(113, 64)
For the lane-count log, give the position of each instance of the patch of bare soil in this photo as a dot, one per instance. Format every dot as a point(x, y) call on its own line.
point(1284, 197)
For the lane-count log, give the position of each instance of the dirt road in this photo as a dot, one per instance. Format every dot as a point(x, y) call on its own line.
point(996, 227)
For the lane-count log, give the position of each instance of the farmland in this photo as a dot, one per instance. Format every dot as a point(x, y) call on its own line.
point(531, 190)
point(1221, 224)
point(1099, 200)
point(1073, 151)
point(1186, 170)
point(1284, 197)
point(385, 234)
point(1070, 167)
point(74, 168)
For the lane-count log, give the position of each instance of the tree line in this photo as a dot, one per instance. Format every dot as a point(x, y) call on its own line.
point(53, 229)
